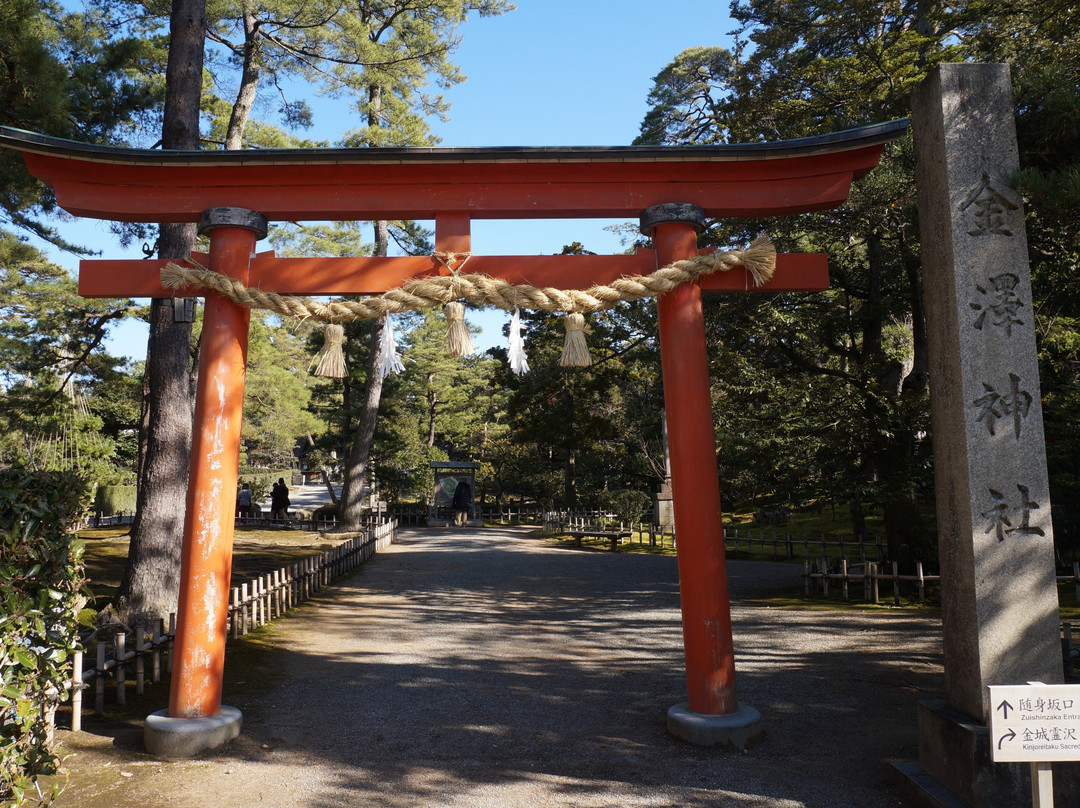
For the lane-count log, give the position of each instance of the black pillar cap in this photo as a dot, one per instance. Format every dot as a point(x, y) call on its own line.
point(233, 217)
point(671, 212)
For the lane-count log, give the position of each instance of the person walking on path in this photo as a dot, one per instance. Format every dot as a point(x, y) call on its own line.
point(279, 501)
point(462, 503)
point(243, 502)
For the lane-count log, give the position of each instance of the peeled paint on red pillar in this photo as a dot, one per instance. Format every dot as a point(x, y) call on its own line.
point(703, 586)
point(208, 532)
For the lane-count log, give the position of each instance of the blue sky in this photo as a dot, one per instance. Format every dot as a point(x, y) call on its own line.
point(551, 73)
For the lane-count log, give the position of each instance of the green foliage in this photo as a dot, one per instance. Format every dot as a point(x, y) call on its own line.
point(276, 394)
point(627, 504)
point(261, 480)
point(823, 397)
point(65, 403)
point(41, 570)
point(115, 499)
point(585, 430)
point(66, 75)
point(439, 408)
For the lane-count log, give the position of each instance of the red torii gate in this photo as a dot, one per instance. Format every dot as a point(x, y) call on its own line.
point(234, 193)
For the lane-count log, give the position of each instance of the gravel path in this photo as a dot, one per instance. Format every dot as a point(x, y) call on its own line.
point(485, 669)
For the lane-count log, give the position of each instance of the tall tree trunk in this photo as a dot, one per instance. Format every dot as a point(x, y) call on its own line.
point(359, 461)
point(433, 400)
point(249, 83)
point(570, 479)
point(151, 581)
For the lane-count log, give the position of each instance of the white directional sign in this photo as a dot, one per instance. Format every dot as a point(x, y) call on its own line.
point(1035, 722)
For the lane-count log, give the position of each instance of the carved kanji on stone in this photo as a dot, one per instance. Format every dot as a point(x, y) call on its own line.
point(986, 207)
point(1013, 402)
point(1000, 300)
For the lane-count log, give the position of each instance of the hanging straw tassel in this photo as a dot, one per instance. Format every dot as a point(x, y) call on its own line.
point(575, 350)
point(458, 340)
point(389, 357)
point(519, 360)
point(332, 356)
point(759, 259)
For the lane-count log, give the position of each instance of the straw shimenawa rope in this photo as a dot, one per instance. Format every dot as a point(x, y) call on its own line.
point(759, 259)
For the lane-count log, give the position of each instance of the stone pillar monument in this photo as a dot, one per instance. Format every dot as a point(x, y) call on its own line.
point(996, 545)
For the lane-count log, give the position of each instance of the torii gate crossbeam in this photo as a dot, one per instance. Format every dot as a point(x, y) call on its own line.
point(233, 194)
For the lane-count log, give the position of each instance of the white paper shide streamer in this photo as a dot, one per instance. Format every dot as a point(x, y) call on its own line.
point(519, 361)
point(389, 358)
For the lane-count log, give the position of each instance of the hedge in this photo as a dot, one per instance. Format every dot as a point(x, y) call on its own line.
point(260, 481)
point(112, 499)
point(42, 589)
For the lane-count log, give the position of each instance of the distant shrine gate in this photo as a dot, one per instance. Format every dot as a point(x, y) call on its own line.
point(234, 193)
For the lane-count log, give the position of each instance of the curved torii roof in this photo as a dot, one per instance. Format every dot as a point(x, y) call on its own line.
point(743, 180)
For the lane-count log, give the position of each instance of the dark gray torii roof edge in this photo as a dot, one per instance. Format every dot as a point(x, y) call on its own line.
point(834, 141)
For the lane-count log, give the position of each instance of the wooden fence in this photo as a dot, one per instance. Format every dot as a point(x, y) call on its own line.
point(772, 543)
point(147, 653)
point(1069, 653)
point(405, 516)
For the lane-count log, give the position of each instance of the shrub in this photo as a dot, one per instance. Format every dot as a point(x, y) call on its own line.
point(773, 515)
point(627, 504)
point(41, 592)
point(325, 512)
point(260, 481)
point(111, 499)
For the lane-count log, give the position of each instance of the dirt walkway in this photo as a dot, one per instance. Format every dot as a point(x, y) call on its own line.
point(486, 669)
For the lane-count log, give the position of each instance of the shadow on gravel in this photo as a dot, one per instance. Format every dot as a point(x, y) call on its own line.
point(486, 663)
point(490, 670)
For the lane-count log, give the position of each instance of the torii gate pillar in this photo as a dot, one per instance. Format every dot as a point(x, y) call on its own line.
point(711, 715)
point(196, 719)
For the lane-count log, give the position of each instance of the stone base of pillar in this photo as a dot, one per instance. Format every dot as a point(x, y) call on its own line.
point(955, 769)
point(166, 736)
point(738, 729)
point(663, 511)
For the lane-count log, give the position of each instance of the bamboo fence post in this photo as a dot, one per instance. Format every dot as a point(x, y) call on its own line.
point(844, 577)
point(256, 603)
point(806, 577)
point(235, 612)
point(268, 599)
point(120, 641)
point(874, 576)
point(243, 609)
point(172, 638)
point(140, 666)
point(825, 576)
point(895, 584)
point(99, 680)
point(155, 658)
point(921, 580)
point(76, 691)
point(278, 601)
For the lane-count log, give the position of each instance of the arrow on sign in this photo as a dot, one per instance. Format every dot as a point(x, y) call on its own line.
point(1004, 738)
point(1005, 707)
